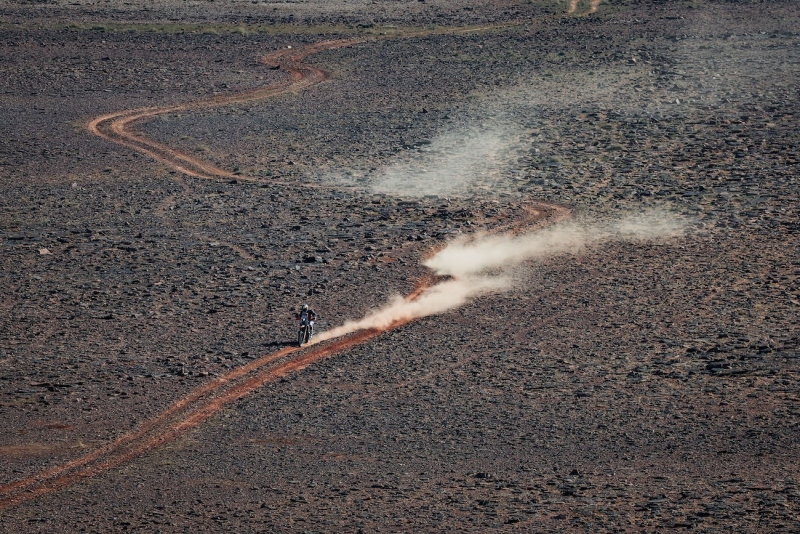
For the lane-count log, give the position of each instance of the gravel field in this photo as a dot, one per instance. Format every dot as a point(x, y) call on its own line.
point(633, 386)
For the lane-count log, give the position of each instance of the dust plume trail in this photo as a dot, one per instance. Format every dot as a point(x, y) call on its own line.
point(436, 299)
point(452, 163)
point(484, 263)
point(472, 256)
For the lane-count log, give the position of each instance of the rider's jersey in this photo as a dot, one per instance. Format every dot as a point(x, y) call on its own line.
point(306, 316)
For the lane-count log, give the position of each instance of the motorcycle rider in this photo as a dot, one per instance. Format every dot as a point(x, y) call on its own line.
point(307, 316)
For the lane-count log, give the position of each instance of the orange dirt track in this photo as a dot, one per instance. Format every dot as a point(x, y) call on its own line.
point(184, 415)
point(208, 399)
point(115, 126)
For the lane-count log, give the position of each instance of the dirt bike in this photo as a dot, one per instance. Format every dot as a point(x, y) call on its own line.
point(304, 333)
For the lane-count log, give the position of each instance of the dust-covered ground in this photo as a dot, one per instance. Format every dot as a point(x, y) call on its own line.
point(632, 385)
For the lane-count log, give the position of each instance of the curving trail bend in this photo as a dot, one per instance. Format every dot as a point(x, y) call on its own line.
point(209, 398)
point(117, 127)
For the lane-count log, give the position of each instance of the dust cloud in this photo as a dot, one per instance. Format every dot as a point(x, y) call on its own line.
point(453, 163)
point(483, 264)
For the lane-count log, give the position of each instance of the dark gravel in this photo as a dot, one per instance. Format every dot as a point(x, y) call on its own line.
point(633, 388)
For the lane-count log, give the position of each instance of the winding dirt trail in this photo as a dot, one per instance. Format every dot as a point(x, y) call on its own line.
point(117, 127)
point(209, 398)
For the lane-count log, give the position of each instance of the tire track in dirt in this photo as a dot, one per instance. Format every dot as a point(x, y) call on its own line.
point(117, 127)
point(181, 417)
point(209, 398)
point(184, 415)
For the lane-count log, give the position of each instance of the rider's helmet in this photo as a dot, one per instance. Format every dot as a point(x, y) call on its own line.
point(305, 307)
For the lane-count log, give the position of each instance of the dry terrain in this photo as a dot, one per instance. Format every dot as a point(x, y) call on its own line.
point(177, 177)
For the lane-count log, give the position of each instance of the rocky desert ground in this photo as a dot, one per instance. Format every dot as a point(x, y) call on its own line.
point(177, 177)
